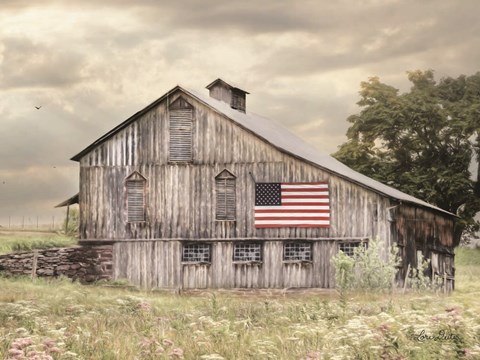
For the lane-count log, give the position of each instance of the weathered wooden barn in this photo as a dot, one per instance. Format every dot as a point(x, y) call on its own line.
point(194, 191)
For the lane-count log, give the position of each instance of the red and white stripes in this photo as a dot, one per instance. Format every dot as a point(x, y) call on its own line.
point(302, 205)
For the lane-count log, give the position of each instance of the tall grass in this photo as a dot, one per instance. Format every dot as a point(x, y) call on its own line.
point(467, 276)
point(66, 320)
point(22, 241)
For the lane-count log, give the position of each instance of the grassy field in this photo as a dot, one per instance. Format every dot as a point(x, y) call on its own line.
point(59, 319)
point(11, 241)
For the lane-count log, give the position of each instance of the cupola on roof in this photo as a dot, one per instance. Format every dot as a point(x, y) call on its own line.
point(229, 94)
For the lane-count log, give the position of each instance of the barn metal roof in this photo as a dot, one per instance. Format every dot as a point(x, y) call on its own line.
point(280, 137)
point(69, 201)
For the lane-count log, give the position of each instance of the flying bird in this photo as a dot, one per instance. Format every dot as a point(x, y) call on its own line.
point(38, 107)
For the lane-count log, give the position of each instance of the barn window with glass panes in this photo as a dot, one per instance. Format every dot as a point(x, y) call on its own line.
point(298, 251)
point(348, 248)
point(196, 253)
point(247, 252)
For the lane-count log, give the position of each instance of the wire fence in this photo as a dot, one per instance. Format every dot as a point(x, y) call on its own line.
point(33, 223)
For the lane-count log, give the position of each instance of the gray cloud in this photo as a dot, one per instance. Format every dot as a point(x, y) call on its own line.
point(93, 66)
point(27, 65)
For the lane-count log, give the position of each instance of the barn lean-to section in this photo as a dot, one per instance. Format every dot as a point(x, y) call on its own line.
point(190, 164)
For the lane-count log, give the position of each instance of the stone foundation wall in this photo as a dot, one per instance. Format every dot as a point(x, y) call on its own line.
point(83, 263)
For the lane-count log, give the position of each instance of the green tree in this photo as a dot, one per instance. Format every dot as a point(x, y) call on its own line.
point(421, 142)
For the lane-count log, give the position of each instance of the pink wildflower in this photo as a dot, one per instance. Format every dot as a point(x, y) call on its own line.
point(312, 355)
point(177, 352)
point(48, 343)
point(144, 306)
point(54, 349)
point(22, 343)
point(167, 342)
point(15, 352)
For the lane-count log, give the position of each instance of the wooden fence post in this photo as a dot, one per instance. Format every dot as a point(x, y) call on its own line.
point(406, 277)
point(34, 264)
point(444, 282)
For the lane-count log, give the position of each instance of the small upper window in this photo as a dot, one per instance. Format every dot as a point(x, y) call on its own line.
point(181, 131)
point(225, 196)
point(297, 251)
point(247, 252)
point(196, 253)
point(135, 187)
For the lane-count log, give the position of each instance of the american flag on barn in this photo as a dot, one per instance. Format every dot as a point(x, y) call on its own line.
point(292, 205)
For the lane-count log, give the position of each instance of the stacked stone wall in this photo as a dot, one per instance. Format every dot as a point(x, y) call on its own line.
point(83, 263)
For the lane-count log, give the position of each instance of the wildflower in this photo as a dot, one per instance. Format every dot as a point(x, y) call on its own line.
point(70, 353)
point(167, 342)
point(49, 343)
point(54, 350)
point(212, 357)
point(384, 328)
point(22, 343)
point(144, 306)
point(313, 355)
point(148, 342)
point(15, 352)
point(177, 352)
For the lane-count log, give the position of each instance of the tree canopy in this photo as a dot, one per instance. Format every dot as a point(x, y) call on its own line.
point(424, 142)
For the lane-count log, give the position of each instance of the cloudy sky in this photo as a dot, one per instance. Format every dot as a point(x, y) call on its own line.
point(91, 66)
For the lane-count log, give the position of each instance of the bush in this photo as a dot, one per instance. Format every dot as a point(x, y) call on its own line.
point(366, 270)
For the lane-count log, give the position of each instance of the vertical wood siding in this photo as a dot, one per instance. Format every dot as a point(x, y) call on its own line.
point(158, 264)
point(181, 197)
point(181, 203)
point(416, 231)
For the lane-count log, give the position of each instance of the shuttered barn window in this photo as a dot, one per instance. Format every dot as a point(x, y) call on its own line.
point(181, 131)
point(225, 188)
point(238, 101)
point(297, 251)
point(135, 185)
